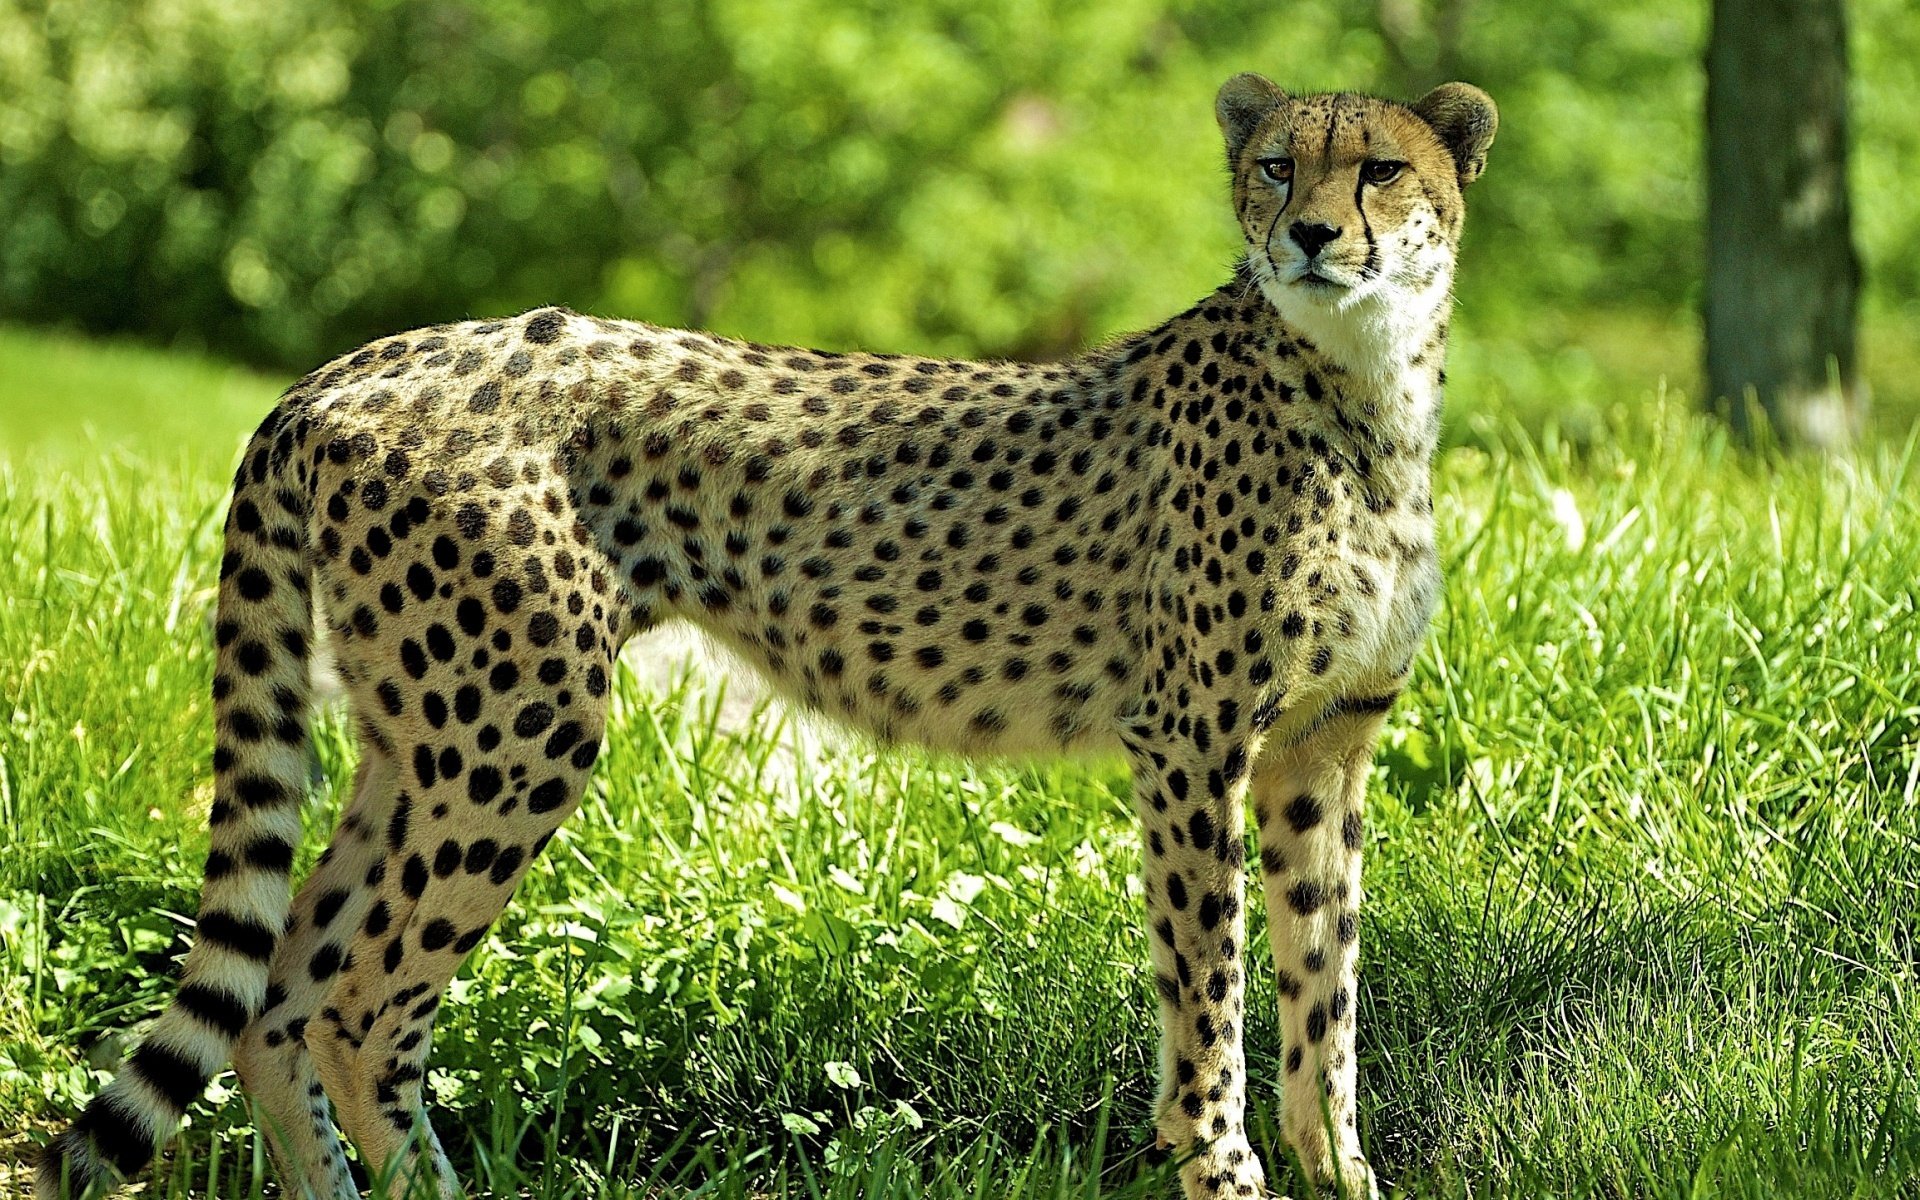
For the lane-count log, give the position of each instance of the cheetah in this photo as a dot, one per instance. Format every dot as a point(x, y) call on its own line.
point(1208, 547)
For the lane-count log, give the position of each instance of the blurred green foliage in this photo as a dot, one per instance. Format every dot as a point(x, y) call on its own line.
point(281, 181)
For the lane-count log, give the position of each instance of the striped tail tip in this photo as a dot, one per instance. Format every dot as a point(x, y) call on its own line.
point(102, 1148)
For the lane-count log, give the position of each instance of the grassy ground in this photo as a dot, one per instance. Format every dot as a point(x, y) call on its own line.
point(1644, 880)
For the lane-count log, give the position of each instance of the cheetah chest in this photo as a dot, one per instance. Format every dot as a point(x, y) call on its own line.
point(1374, 601)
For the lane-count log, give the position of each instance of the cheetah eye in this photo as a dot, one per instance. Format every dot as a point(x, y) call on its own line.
point(1280, 170)
point(1380, 170)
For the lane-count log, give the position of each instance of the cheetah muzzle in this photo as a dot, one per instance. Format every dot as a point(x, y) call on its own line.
point(1208, 546)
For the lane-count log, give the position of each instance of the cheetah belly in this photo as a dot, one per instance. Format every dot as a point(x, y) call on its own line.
point(1023, 701)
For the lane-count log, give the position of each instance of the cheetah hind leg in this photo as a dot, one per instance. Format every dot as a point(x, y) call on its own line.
point(439, 893)
point(271, 1057)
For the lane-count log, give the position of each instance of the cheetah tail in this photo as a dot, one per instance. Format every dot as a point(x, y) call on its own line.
point(260, 692)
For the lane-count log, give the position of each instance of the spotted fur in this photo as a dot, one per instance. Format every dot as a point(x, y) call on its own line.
point(1208, 546)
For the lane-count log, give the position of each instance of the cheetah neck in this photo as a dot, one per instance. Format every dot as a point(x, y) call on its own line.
point(1381, 358)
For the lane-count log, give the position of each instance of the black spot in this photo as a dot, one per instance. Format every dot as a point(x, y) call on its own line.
point(1210, 910)
point(470, 520)
point(648, 571)
point(547, 797)
point(506, 865)
point(472, 617)
point(483, 784)
point(252, 657)
point(480, 855)
point(563, 739)
point(413, 877)
point(506, 596)
point(420, 581)
point(1306, 897)
point(329, 907)
point(542, 628)
point(413, 659)
point(325, 962)
point(533, 719)
point(423, 766)
point(1200, 829)
point(1303, 813)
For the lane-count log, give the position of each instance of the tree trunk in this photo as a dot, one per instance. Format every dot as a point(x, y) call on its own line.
point(1782, 278)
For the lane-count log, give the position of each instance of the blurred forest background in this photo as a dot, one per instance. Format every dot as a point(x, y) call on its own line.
point(278, 182)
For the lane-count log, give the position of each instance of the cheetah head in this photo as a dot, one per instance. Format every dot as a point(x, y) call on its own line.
point(1351, 207)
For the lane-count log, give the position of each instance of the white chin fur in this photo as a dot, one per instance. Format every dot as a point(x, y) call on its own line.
point(1373, 330)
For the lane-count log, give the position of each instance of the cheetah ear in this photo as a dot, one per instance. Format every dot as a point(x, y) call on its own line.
point(1465, 119)
point(1244, 101)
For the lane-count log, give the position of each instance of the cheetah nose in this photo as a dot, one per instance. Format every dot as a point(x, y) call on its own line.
point(1311, 237)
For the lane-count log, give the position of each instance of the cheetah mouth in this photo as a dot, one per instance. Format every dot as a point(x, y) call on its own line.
point(1314, 279)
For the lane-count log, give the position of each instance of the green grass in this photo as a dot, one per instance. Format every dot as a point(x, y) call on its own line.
point(1644, 882)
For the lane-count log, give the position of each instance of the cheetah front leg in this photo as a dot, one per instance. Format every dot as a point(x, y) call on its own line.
point(1309, 797)
point(1189, 800)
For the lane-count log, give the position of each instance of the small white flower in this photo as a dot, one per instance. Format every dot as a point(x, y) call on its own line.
point(792, 899)
point(1566, 514)
point(965, 888)
point(846, 879)
point(1013, 835)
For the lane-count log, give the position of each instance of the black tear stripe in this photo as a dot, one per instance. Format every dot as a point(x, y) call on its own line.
point(1371, 268)
point(1266, 247)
